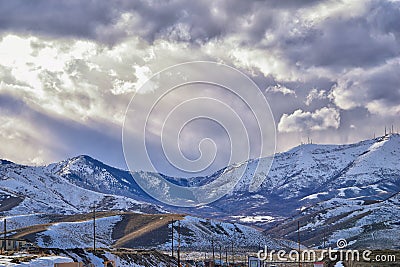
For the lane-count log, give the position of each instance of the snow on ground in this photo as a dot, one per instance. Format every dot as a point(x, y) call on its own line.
point(78, 234)
point(129, 259)
point(314, 196)
point(22, 221)
point(121, 260)
point(203, 231)
point(250, 219)
point(36, 262)
point(126, 263)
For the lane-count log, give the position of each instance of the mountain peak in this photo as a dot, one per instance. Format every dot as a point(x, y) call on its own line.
point(85, 158)
point(393, 136)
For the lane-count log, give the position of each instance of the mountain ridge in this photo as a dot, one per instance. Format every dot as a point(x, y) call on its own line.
point(308, 179)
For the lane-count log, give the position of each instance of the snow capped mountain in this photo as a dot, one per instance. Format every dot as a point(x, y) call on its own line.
point(301, 177)
point(94, 175)
point(311, 173)
point(353, 187)
point(51, 206)
point(25, 189)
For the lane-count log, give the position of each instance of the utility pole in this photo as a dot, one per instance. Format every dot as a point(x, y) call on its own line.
point(172, 237)
point(298, 240)
point(220, 255)
point(226, 256)
point(94, 227)
point(179, 243)
point(233, 254)
point(5, 235)
point(212, 245)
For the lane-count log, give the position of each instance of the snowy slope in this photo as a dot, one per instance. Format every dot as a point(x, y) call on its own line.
point(196, 233)
point(36, 190)
point(199, 233)
point(94, 175)
point(311, 173)
point(362, 224)
point(78, 234)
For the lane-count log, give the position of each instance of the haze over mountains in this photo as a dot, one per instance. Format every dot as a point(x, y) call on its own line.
point(336, 191)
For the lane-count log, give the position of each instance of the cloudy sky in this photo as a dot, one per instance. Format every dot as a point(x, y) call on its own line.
point(68, 68)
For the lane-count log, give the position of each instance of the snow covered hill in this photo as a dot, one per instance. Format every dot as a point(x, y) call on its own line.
point(308, 174)
point(352, 188)
point(336, 191)
point(363, 224)
point(94, 175)
point(26, 190)
point(133, 230)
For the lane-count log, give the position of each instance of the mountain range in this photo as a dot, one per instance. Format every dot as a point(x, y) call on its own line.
point(346, 191)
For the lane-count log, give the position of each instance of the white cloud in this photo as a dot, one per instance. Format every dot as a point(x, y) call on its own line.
point(315, 94)
point(377, 89)
point(303, 121)
point(75, 79)
point(281, 89)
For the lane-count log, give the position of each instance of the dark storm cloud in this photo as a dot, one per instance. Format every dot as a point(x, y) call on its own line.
point(339, 58)
point(368, 39)
point(86, 18)
point(202, 20)
point(377, 89)
point(385, 17)
point(205, 20)
point(64, 17)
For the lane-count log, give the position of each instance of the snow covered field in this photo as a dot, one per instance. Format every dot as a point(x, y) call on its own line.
point(127, 259)
point(47, 261)
point(78, 234)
